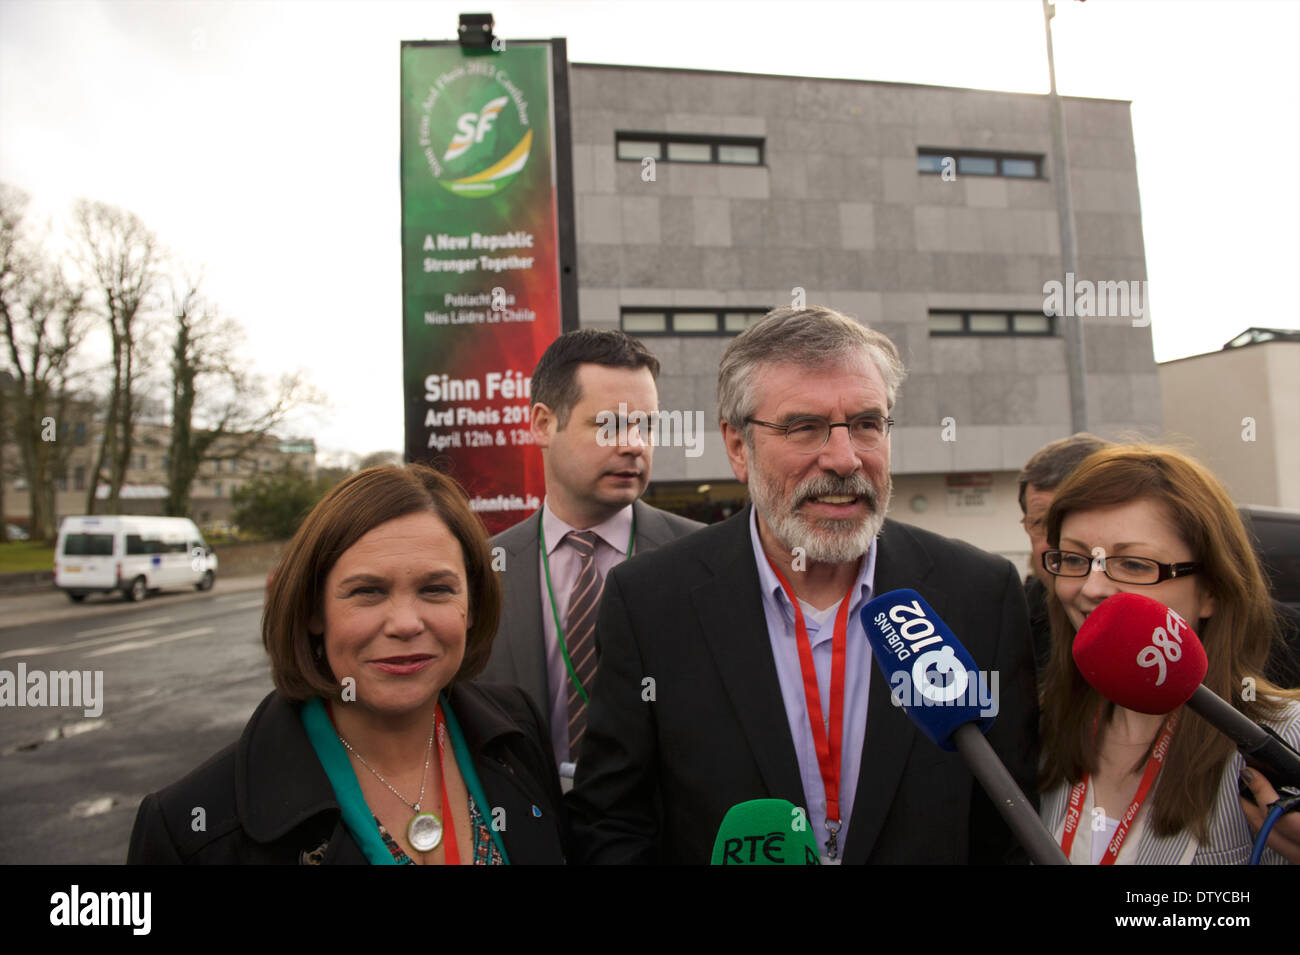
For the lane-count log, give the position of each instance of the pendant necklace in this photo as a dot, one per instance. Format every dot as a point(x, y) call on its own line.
point(424, 831)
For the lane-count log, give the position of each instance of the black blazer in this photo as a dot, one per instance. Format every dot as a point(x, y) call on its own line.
point(657, 776)
point(519, 650)
point(267, 801)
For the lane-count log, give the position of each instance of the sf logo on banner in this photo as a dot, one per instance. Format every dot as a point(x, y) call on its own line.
point(472, 127)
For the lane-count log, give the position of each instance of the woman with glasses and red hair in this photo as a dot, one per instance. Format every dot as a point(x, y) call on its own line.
point(1157, 789)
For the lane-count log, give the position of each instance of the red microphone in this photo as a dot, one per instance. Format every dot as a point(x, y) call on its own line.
point(1143, 656)
point(1138, 653)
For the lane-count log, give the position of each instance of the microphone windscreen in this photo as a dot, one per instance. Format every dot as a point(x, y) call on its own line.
point(765, 832)
point(929, 672)
point(1139, 654)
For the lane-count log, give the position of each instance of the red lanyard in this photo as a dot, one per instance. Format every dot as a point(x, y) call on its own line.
point(1079, 790)
point(828, 748)
point(451, 854)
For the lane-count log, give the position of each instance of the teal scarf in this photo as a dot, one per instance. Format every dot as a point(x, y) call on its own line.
point(358, 818)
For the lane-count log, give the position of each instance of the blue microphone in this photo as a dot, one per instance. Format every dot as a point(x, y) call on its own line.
point(935, 680)
point(930, 673)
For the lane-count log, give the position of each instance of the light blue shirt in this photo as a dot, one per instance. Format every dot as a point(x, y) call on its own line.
point(857, 680)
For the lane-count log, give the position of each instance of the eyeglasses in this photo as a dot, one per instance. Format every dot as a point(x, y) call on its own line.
point(1123, 570)
point(810, 433)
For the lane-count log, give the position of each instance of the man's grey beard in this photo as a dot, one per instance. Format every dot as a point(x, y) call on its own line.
point(826, 540)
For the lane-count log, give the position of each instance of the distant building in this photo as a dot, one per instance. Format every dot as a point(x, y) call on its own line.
point(145, 489)
point(1239, 408)
point(925, 212)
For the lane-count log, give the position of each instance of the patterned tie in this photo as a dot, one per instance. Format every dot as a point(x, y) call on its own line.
point(580, 630)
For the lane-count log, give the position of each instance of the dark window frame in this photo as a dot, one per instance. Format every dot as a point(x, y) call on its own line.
point(140, 545)
point(87, 544)
point(720, 314)
point(1037, 159)
point(697, 139)
point(1008, 314)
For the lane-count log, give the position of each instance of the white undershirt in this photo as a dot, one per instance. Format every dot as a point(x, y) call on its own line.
point(1101, 840)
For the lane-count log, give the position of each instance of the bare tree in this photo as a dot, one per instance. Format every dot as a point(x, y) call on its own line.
point(5, 384)
point(377, 458)
point(220, 410)
point(43, 321)
point(121, 258)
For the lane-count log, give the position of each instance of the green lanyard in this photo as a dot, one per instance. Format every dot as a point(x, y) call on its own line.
point(555, 613)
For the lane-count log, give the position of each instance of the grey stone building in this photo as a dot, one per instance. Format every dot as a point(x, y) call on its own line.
point(704, 199)
point(1245, 432)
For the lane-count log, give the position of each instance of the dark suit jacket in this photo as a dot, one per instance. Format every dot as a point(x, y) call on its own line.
point(519, 650)
point(267, 801)
point(656, 778)
point(1040, 623)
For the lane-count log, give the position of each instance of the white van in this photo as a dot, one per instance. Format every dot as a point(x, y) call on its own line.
point(131, 554)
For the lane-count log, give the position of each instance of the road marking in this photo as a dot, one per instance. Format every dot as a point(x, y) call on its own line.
point(134, 625)
point(249, 605)
point(60, 648)
point(145, 644)
point(92, 807)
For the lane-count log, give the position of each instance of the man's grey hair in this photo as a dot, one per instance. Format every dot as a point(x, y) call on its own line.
point(814, 338)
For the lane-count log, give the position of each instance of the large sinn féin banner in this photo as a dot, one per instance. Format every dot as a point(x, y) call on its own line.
point(480, 263)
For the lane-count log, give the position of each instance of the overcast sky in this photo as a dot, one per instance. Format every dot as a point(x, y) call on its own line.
point(261, 139)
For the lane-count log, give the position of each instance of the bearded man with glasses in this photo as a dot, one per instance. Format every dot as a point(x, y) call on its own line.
point(734, 665)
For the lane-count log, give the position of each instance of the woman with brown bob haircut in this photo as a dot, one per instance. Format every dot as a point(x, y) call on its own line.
point(374, 747)
point(1150, 520)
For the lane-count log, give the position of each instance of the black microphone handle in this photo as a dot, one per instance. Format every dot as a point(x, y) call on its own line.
point(1006, 795)
point(1263, 749)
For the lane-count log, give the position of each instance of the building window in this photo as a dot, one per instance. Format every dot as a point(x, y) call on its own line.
point(689, 321)
point(689, 147)
point(79, 434)
point(689, 152)
point(167, 462)
point(62, 481)
point(216, 488)
point(1030, 323)
point(977, 165)
point(968, 162)
point(1020, 168)
point(79, 478)
point(984, 322)
point(142, 462)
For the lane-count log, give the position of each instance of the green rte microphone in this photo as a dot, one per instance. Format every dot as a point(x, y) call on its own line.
point(765, 832)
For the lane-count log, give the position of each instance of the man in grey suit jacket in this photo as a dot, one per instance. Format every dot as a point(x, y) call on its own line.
point(586, 382)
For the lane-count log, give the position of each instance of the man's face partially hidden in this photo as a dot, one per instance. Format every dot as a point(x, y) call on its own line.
point(1037, 501)
point(830, 503)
